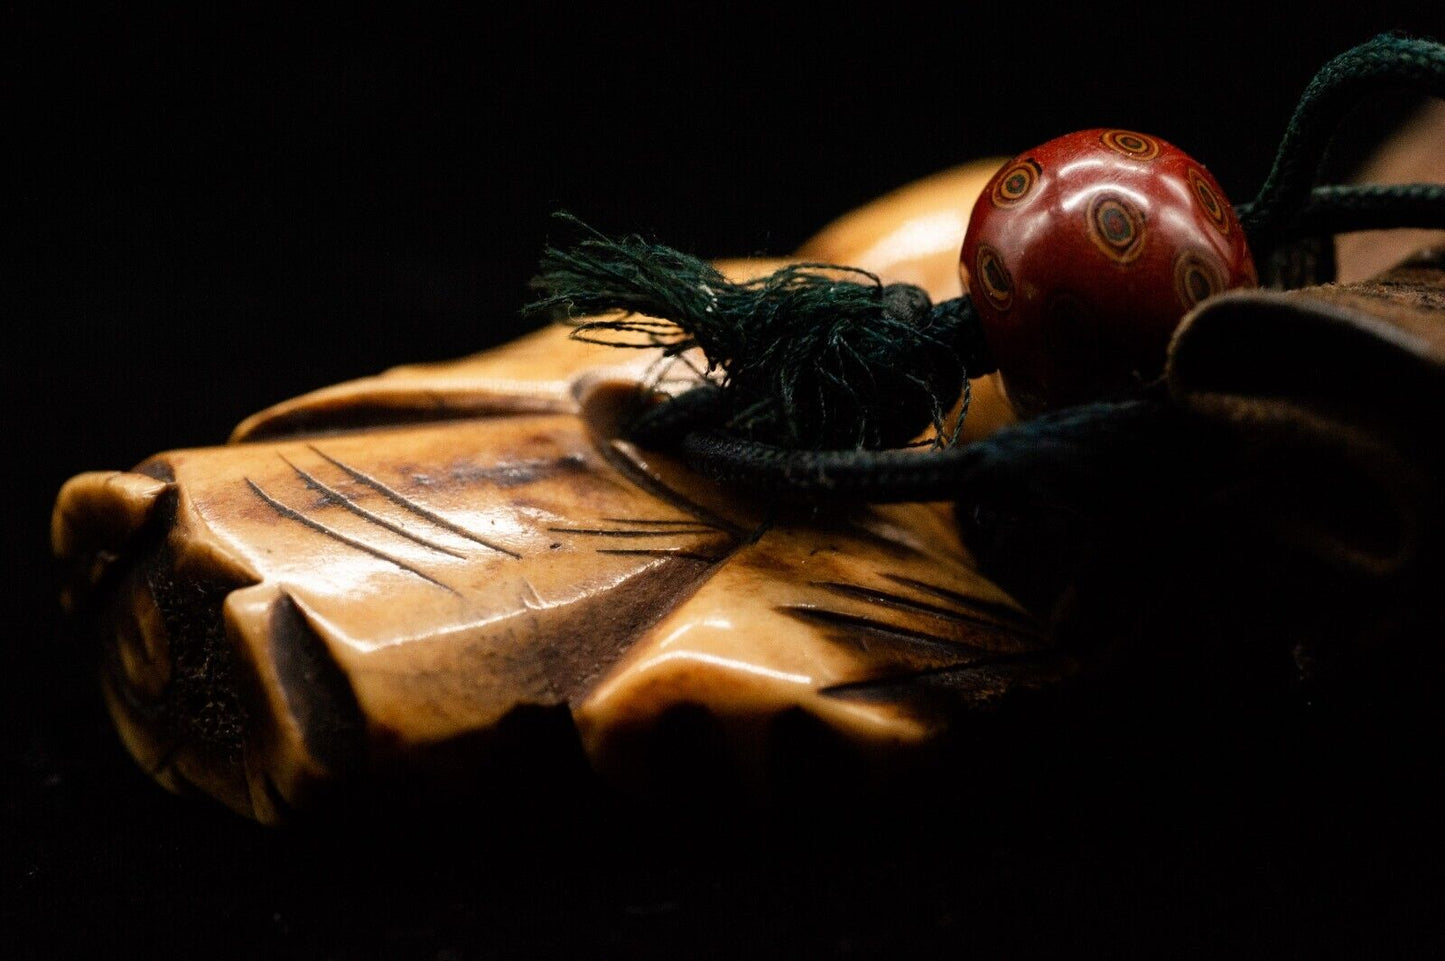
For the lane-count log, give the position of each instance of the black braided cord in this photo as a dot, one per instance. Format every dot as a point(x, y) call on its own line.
point(783, 342)
point(875, 476)
point(1346, 208)
point(1288, 205)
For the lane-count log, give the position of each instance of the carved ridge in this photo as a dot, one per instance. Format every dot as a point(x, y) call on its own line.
point(872, 685)
point(899, 602)
point(335, 496)
point(401, 500)
point(855, 623)
point(290, 513)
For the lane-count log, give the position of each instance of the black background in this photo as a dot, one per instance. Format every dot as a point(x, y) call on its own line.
point(209, 214)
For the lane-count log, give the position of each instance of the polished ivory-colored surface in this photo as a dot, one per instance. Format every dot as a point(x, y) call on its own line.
point(424, 576)
point(392, 577)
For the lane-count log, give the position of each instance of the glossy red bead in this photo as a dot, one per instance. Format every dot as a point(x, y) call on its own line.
point(1083, 254)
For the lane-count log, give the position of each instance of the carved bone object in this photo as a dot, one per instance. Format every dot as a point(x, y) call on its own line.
point(415, 576)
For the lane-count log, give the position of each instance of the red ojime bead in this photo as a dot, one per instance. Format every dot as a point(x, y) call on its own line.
point(1083, 254)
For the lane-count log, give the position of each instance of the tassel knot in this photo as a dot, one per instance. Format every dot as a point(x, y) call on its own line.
point(812, 356)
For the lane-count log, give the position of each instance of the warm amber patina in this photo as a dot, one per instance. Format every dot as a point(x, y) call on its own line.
point(459, 576)
point(413, 577)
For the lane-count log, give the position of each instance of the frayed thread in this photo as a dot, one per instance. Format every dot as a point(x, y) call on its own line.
point(813, 356)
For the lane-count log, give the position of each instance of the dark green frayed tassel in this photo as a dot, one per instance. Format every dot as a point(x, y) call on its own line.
point(813, 356)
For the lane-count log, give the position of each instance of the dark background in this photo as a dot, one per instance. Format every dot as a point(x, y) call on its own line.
point(210, 214)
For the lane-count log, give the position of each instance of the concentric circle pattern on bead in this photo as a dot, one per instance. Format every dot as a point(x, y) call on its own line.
point(1209, 200)
point(1196, 277)
point(994, 276)
point(1116, 226)
point(1135, 146)
point(1014, 182)
point(1082, 255)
